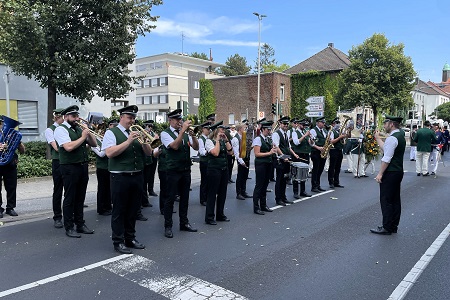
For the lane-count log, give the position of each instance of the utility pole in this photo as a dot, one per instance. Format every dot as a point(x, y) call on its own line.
point(259, 60)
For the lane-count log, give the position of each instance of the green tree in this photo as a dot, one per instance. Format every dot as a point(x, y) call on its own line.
point(274, 68)
point(199, 55)
point(267, 58)
point(75, 48)
point(235, 65)
point(207, 100)
point(380, 75)
point(443, 111)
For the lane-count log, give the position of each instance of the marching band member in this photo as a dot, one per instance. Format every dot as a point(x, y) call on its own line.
point(349, 146)
point(160, 154)
point(203, 162)
point(319, 135)
point(73, 159)
point(281, 142)
point(300, 145)
point(126, 162)
point(239, 144)
point(424, 138)
point(104, 206)
point(150, 170)
point(358, 156)
point(336, 155)
point(56, 173)
point(437, 147)
point(217, 146)
point(262, 147)
point(178, 165)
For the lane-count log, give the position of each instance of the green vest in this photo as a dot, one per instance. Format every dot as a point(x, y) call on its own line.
point(396, 163)
point(162, 159)
point(180, 159)
point(131, 159)
point(338, 145)
point(78, 155)
point(206, 157)
point(220, 161)
point(304, 146)
point(101, 162)
point(320, 139)
point(53, 152)
point(283, 143)
point(265, 147)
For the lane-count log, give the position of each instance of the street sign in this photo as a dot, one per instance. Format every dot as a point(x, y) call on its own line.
point(315, 100)
point(261, 115)
point(314, 114)
point(314, 107)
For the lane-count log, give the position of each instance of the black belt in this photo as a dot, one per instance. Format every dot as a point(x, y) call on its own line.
point(128, 173)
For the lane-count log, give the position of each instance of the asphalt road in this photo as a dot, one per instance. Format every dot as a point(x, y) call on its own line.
point(319, 248)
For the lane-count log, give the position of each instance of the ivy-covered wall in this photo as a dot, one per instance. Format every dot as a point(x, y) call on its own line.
point(313, 83)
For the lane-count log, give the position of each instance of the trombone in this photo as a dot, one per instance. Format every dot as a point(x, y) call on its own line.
point(145, 138)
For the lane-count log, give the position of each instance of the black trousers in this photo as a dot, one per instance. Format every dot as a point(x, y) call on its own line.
point(283, 169)
point(390, 199)
point(126, 194)
point(242, 175)
point(217, 192)
point(318, 165)
point(262, 172)
point(147, 174)
point(57, 190)
point(151, 176)
point(180, 183)
point(103, 191)
point(75, 179)
point(334, 169)
point(304, 158)
point(203, 181)
point(230, 161)
point(163, 190)
point(8, 175)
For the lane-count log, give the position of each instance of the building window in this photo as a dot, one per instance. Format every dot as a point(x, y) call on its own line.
point(154, 100)
point(27, 112)
point(162, 81)
point(139, 100)
point(163, 99)
point(146, 99)
point(154, 82)
point(196, 101)
point(243, 117)
point(282, 92)
point(196, 85)
point(147, 83)
point(231, 119)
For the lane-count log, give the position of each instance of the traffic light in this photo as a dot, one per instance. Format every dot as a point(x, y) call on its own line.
point(410, 115)
point(274, 109)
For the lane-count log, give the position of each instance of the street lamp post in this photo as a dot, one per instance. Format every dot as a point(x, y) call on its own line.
point(259, 60)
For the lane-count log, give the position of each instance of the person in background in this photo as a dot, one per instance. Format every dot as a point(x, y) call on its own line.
point(424, 138)
point(413, 150)
point(239, 142)
point(150, 170)
point(336, 155)
point(203, 162)
point(446, 139)
point(437, 148)
point(349, 146)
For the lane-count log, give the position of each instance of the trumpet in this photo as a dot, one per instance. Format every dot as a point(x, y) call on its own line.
point(145, 138)
point(196, 129)
point(85, 125)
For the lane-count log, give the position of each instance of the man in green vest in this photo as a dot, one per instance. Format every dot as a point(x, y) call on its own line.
point(390, 175)
point(178, 165)
point(318, 135)
point(424, 138)
point(150, 170)
point(336, 154)
point(73, 160)
point(56, 173)
point(203, 165)
point(301, 146)
point(126, 162)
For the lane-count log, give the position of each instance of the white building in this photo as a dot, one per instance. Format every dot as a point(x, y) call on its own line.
point(427, 96)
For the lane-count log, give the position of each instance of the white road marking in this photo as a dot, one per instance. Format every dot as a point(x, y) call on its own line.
point(303, 199)
point(169, 284)
point(62, 275)
point(407, 283)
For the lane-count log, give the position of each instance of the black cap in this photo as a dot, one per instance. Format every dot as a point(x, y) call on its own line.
point(175, 114)
point(336, 120)
point(130, 110)
point(205, 125)
point(260, 121)
point(113, 121)
point(267, 124)
point(322, 119)
point(211, 117)
point(148, 122)
point(435, 124)
point(244, 121)
point(388, 118)
point(284, 120)
point(70, 110)
point(57, 111)
point(217, 125)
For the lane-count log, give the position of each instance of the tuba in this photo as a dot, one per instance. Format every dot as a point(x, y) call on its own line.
point(10, 138)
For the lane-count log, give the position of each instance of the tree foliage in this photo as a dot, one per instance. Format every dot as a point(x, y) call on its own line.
point(207, 100)
point(380, 75)
point(274, 68)
point(74, 48)
point(235, 65)
point(443, 111)
point(199, 55)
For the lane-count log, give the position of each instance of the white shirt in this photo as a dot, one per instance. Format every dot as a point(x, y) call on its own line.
point(295, 137)
point(389, 147)
point(109, 139)
point(314, 133)
point(62, 135)
point(166, 139)
point(209, 145)
point(201, 146)
point(50, 134)
point(235, 145)
point(276, 138)
point(257, 140)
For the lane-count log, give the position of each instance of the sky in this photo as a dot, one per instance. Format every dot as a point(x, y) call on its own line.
point(298, 29)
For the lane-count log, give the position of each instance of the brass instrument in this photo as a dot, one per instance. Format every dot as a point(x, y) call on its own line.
point(196, 129)
point(327, 146)
point(85, 125)
point(344, 129)
point(275, 126)
point(144, 137)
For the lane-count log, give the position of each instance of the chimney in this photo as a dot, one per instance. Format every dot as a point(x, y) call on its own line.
point(331, 45)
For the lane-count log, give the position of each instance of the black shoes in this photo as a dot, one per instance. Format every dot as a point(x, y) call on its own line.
point(380, 230)
point(1, 214)
point(230, 181)
point(338, 185)
point(105, 213)
point(121, 248)
point(432, 173)
point(418, 174)
point(331, 186)
point(72, 233)
point(305, 194)
point(141, 217)
point(168, 232)
point(240, 197)
point(58, 224)
point(223, 219)
point(203, 203)
point(247, 195)
point(296, 196)
point(211, 222)
point(321, 189)
point(281, 203)
point(11, 212)
point(84, 229)
point(426, 174)
point(148, 204)
point(153, 194)
point(347, 171)
point(288, 201)
point(272, 180)
point(134, 244)
point(187, 227)
point(315, 190)
point(266, 209)
point(258, 211)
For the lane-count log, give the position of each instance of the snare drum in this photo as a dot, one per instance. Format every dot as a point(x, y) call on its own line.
point(299, 171)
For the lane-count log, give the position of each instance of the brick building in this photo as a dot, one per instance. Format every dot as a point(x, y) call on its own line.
point(236, 96)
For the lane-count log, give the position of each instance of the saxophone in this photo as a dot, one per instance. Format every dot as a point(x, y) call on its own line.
point(327, 146)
